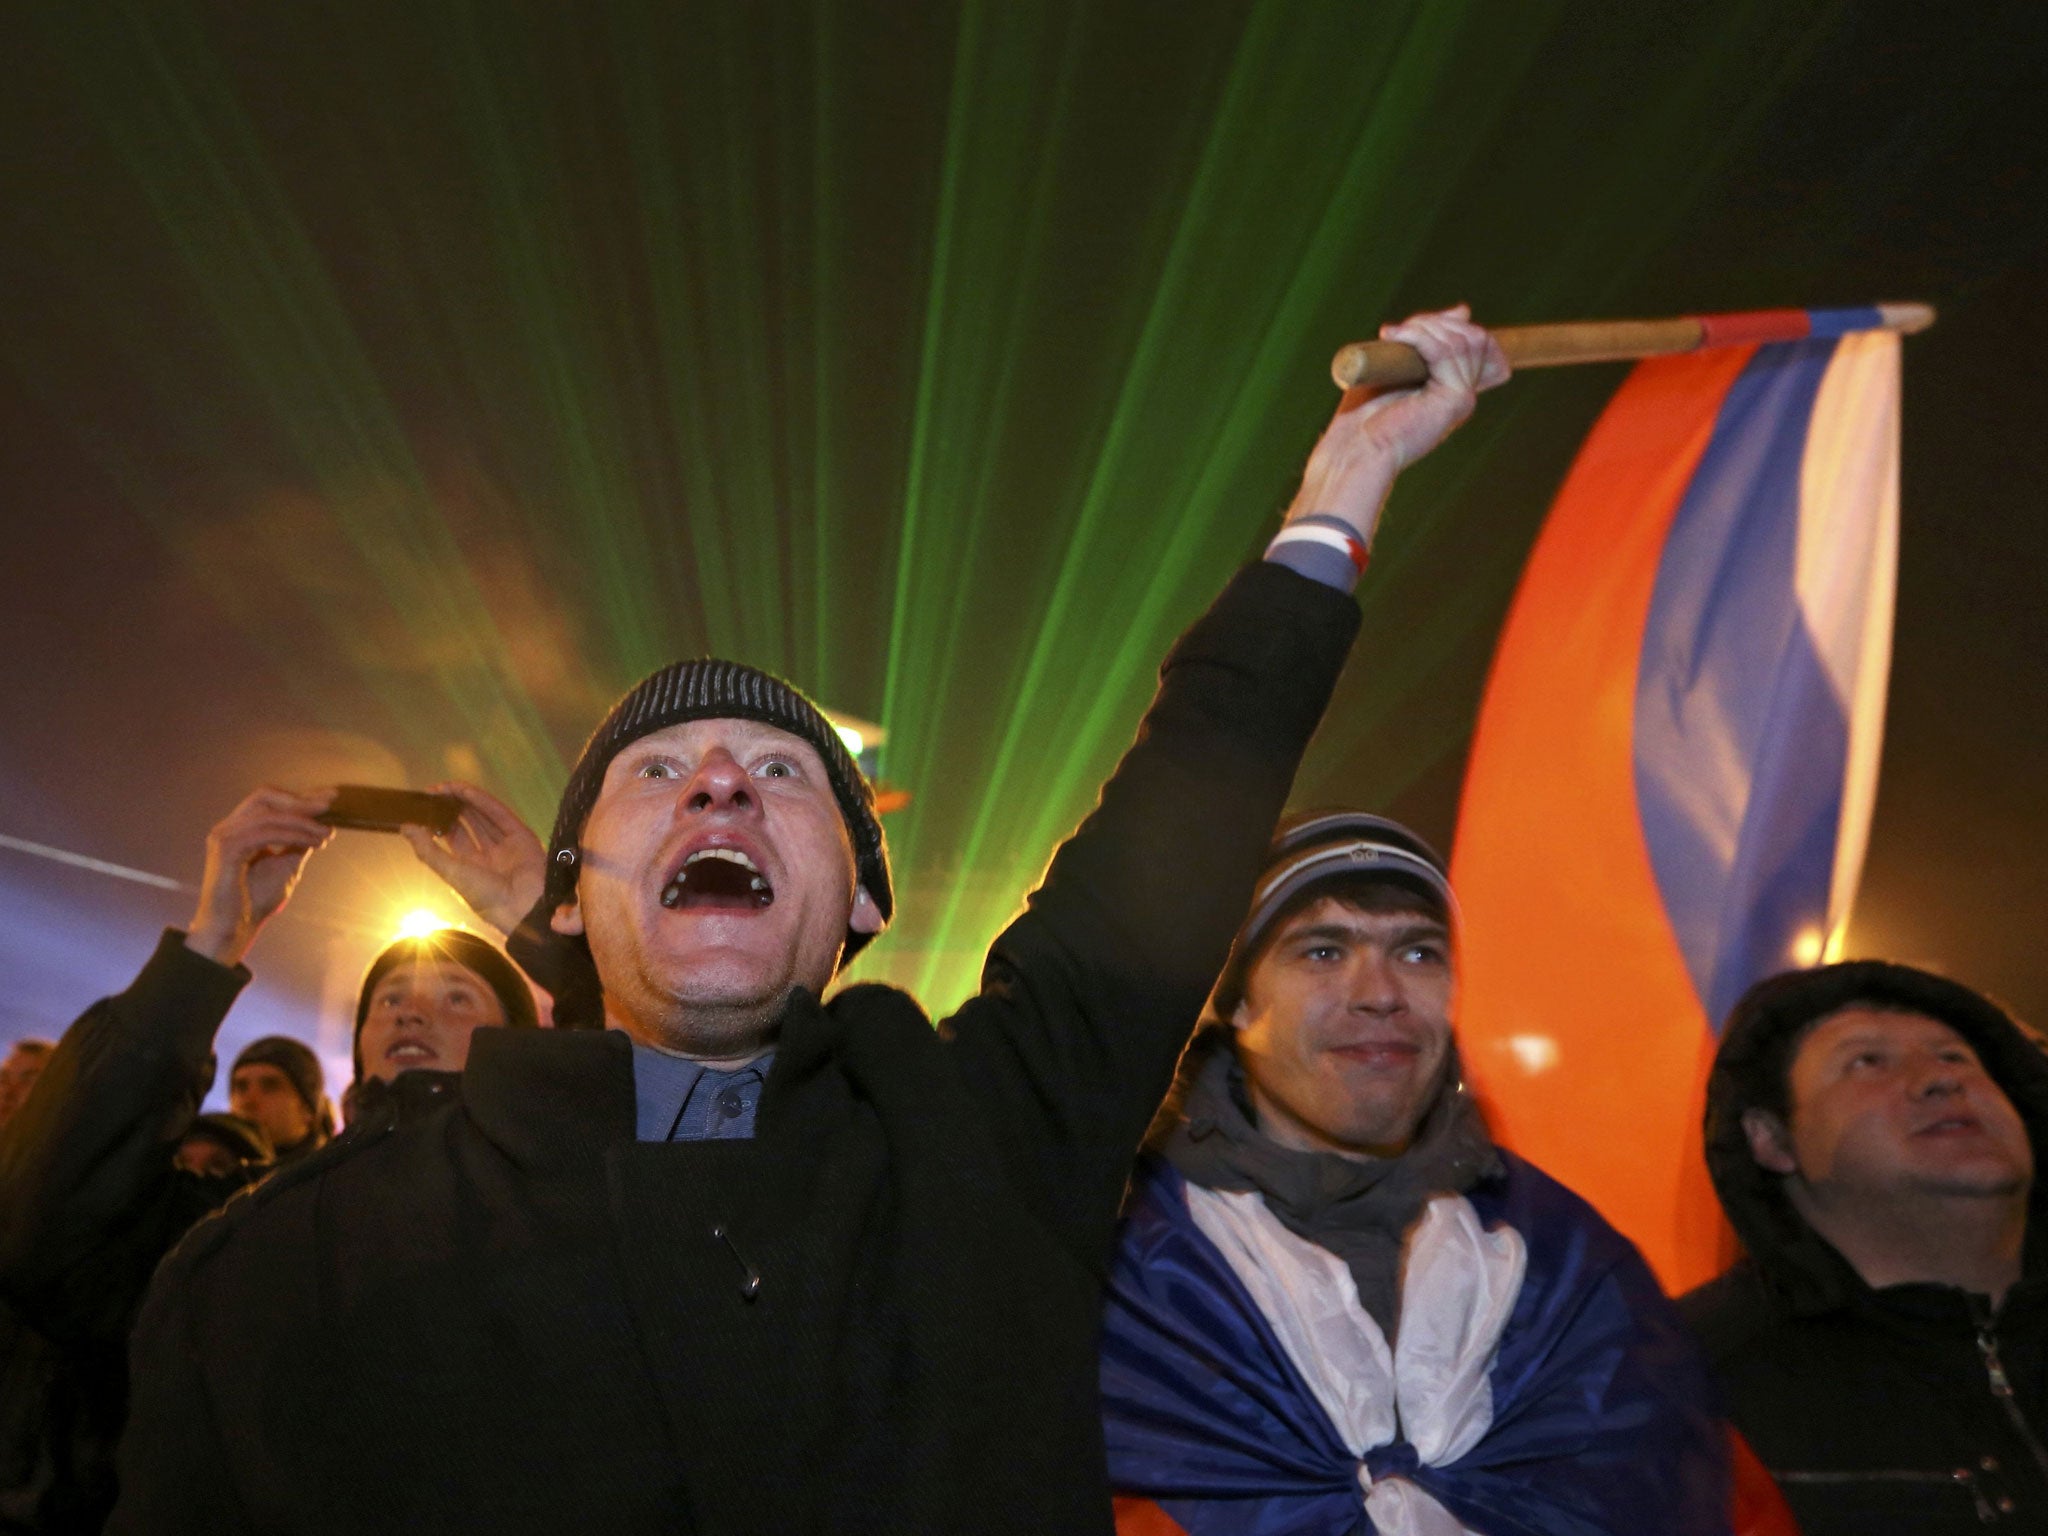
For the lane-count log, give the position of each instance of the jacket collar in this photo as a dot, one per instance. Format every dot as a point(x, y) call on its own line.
point(1810, 1278)
point(549, 1097)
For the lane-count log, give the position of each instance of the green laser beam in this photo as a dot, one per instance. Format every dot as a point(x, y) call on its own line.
point(946, 359)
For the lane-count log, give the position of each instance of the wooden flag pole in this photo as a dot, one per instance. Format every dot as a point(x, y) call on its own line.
point(1395, 364)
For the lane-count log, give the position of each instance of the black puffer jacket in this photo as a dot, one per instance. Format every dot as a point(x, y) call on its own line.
point(1911, 1409)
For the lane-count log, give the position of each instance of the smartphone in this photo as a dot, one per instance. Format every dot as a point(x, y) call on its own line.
point(365, 808)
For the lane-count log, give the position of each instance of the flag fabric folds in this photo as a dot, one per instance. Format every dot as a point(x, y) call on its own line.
point(1599, 1415)
point(1672, 777)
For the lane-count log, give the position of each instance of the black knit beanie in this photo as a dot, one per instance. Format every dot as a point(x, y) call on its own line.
point(704, 689)
point(466, 949)
point(298, 1063)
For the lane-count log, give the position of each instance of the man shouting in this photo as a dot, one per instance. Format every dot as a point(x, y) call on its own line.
point(742, 1260)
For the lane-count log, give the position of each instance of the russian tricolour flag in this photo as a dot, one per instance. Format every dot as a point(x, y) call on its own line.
point(1671, 783)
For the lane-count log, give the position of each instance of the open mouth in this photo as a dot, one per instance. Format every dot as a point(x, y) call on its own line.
point(718, 879)
point(411, 1053)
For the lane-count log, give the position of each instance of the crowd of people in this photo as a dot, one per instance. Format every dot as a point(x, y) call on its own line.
point(1186, 1222)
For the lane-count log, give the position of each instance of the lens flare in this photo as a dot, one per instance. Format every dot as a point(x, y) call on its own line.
point(418, 923)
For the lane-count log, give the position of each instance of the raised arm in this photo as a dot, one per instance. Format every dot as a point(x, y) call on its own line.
point(1378, 433)
point(1088, 997)
point(89, 1155)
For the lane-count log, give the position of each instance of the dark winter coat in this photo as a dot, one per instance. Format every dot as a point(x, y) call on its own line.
point(878, 1315)
point(1913, 1409)
point(40, 1432)
point(89, 1204)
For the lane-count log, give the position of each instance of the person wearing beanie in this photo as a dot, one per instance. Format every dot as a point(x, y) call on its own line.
point(277, 1083)
point(734, 1252)
point(1336, 1301)
point(109, 1163)
point(1873, 1132)
point(424, 997)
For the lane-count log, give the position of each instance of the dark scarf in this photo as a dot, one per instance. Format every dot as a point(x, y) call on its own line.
point(1359, 1208)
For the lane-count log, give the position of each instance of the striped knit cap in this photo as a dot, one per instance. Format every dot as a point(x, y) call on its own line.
point(1317, 848)
point(709, 689)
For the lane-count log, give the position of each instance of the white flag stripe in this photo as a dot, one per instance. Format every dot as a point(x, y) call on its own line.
point(1847, 571)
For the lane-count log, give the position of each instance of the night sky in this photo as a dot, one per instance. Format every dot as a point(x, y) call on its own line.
point(384, 387)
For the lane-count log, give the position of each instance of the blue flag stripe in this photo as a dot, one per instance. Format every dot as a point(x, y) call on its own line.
point(1740, 742)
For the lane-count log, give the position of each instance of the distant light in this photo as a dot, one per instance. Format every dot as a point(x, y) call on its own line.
point(1808, 948)
point(1533, 1053)
point(418, 923)
point(858, 734)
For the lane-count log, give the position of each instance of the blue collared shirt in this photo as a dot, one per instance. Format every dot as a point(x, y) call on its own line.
point(682, 1100)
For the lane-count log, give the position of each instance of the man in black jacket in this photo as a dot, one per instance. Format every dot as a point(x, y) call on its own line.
point(743, 1260)
point(1873, 1132)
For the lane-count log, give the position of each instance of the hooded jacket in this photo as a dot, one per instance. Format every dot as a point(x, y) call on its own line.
point(1915, 1408)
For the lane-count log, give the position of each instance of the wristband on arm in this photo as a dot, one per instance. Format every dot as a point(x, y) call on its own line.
point(1321, 547)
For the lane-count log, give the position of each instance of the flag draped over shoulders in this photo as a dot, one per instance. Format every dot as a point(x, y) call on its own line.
point(1595, 1406)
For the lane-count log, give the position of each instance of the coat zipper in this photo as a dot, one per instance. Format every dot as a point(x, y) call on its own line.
point(2001, 1388)
point(1962, 1478)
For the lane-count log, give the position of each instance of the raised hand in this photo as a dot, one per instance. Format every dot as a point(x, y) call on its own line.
point(490, 858)
point(253, 859)
point(1378, 433)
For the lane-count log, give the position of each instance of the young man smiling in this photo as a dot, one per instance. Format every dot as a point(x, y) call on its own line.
point(1336, 1301)
point(1345, 1036)
point(1874, 1132)
point(746, 1259)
